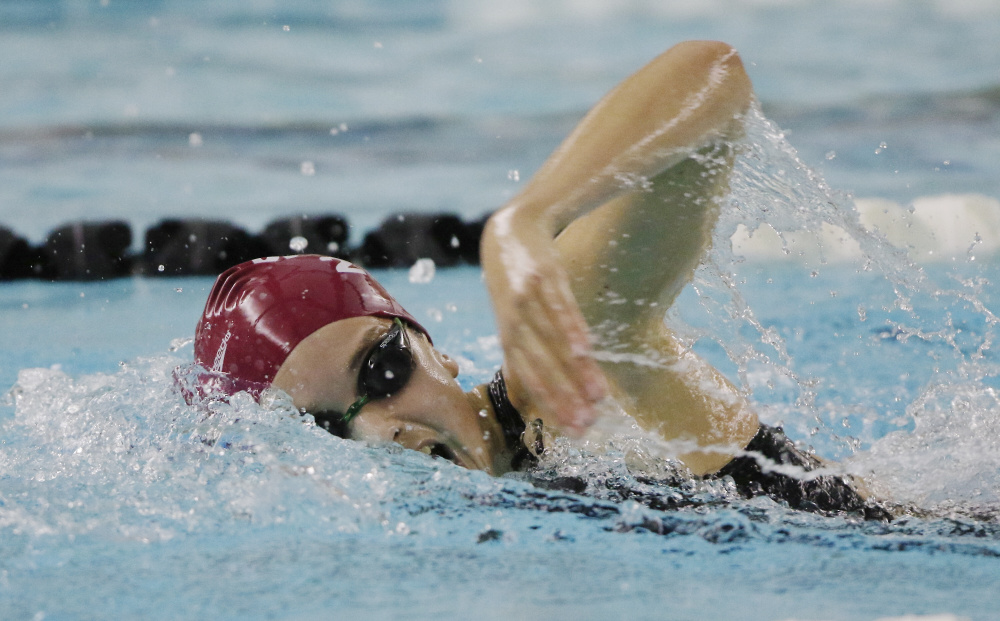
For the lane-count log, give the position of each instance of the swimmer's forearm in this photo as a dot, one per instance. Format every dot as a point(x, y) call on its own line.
point(683, 99)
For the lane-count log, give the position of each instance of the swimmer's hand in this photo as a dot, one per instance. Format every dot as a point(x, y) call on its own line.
point(547, 354)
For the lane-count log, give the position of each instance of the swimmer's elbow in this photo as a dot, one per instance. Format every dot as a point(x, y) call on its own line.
point(737, 83)
point(720, 63)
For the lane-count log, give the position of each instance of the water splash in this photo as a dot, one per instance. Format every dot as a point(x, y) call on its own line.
point(121, 458)
point(888, 367)
point(924, 428)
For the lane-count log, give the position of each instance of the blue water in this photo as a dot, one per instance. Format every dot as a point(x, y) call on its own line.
point(119, 501)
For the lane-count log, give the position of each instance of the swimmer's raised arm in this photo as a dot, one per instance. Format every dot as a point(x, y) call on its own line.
point(687, 97)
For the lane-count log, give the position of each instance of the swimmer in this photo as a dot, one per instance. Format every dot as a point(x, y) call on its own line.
point(593, 250)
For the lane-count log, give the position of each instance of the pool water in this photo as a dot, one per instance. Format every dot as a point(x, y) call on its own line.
point(117, 500)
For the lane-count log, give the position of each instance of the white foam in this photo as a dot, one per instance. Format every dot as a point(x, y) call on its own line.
point(947, 227)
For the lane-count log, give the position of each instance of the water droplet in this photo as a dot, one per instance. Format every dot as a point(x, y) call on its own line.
point(830, 155)
point(298, 243)
point(178, 343)
point(286, 28)
point(195, 140)
point(307, 168)
point(422, 272)
point(514, 175)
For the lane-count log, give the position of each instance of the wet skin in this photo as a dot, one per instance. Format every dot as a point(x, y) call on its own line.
point(431, 413)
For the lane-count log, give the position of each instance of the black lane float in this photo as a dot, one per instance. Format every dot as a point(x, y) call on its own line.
point(101, 250)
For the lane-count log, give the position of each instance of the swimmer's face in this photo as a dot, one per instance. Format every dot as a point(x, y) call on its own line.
point(429, 412)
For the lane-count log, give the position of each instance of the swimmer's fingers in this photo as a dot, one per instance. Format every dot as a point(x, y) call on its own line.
point(552, 395)
point(551, 350)
point(563, 321)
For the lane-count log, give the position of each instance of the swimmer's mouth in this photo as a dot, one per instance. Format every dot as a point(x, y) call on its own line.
point(441, 450)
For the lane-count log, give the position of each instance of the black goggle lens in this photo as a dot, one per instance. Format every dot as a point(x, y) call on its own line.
point(389, 365)
point(386, 370)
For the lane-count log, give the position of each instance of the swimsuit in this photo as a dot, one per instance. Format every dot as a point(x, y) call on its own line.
point(751, 472)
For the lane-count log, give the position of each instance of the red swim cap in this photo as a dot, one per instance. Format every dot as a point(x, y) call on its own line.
point(259, 311)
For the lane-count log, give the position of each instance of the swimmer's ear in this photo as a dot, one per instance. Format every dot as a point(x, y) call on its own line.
point(446, 362)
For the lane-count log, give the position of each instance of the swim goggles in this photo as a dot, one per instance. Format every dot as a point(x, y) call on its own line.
point(386, 369)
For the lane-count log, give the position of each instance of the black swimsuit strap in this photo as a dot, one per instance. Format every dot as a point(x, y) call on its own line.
point(510, 421)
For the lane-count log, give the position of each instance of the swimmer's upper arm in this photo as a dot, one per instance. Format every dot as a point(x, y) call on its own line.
point(628, 259)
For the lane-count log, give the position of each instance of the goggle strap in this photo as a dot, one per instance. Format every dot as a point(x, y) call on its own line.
point(355, 408)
